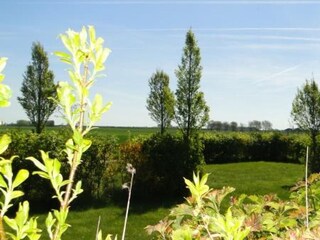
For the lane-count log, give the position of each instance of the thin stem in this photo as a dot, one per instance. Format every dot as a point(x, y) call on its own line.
point(65, 203)
point(306, 189)
point(2, 231)
point(127, 210)
point(98, 228)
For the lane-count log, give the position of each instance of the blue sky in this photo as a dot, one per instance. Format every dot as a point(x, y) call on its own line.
point(255, 54)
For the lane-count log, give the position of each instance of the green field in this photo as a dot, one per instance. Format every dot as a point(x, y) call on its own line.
point(250, 178)
point(121, 133)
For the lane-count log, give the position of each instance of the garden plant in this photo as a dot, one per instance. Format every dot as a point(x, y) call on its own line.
point(86, 56)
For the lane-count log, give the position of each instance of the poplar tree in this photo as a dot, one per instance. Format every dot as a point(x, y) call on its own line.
point(37, 89)
point(160, 102)
point(306, 114)
point(192, 112)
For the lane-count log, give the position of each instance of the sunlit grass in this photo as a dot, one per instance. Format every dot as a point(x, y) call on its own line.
point(256, 177)
point(249, 178)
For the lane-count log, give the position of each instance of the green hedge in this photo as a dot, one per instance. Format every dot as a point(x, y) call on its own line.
point(92, 171)
point(161, 162)
point(268, 146)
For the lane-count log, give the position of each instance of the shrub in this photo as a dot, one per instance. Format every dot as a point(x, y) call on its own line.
point(246, 217)
point(238, 147)
point(161, 162)
point(97, 171)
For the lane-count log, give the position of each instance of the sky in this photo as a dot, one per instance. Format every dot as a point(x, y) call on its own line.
point(255, 54)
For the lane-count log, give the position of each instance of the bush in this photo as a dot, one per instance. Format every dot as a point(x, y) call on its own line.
point(207, 215)
point(25, 144)
point(161, 162)
point(95, 170)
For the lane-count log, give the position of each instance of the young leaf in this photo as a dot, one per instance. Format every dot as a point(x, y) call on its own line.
point(22, 175)
point(3, 62)
point(5, 140)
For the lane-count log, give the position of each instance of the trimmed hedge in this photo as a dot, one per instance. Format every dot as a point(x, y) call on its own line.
point(92, 171)
point(268, 146)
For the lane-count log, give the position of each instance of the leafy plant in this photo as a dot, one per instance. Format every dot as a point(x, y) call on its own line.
point(86, 56)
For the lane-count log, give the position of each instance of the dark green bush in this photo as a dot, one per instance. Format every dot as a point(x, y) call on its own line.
point(96, 171)
point(161, 163)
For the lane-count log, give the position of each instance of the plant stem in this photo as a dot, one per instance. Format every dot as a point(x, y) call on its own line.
point(65, 203)
point(2, 232)
point(306, 187)
point(127, 210)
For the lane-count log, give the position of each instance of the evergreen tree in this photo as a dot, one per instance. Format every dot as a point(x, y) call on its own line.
point(160, 102)
point(37, 87)
point(192, 112)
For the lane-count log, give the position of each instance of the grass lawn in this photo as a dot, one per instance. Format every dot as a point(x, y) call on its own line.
point(256, 177)
point(250, 178)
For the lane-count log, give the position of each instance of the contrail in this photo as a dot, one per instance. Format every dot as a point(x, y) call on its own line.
point(278, 73)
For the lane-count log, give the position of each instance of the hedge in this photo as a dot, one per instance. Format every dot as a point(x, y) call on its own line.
point(257, 146)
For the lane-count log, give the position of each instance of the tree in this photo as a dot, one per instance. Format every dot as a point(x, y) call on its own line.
point(234, 126)
point(255, 124)
point(214, 125)
point(266, 125)
point(37, 87)
point(192, 112)
point(306, 114)
point(160, 102)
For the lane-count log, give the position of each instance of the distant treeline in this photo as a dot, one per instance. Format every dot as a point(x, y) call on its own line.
point(25, 123)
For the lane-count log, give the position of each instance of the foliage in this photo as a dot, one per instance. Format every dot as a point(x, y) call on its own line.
point(192, 112)
point(200, 217)
point(267, 146)
point(87, 57)
point(5, 91)
point(306, 114)
point(161, 162)
point(37, 89)
point(98, 172)
point(246, 217)
point(160, 102)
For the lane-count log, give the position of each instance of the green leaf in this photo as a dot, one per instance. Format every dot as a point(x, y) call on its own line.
point(5, 140)
point(2, 182)
point(11, 223)
point(184, 233)
point(3, 62)
point(22, 175)
point(86, 143)
point(62, 55)
point(5, 95)
point(16, 194)
point(37, 163)
point(92, 34)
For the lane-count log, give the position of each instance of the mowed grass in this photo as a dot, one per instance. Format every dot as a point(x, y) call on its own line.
point(250, 178)
point(256, 177)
